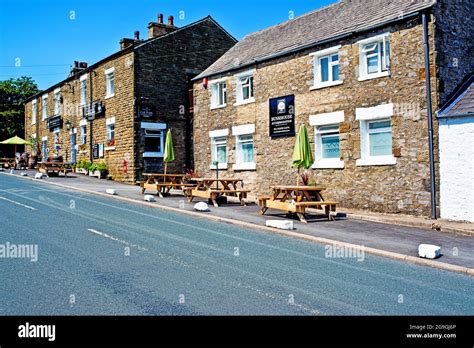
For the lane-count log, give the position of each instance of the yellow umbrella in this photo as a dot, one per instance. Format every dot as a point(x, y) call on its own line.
point(15, 141)
point(169, 151)
point(302, 156)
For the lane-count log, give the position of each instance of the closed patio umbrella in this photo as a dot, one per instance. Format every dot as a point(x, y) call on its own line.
point(16, 140)
point(302, 156)
point(169, 151)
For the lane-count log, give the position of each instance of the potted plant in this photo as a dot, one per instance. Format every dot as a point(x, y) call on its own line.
point(110, 143)
point(33, 159)
point(190, 176)
point(98, 169)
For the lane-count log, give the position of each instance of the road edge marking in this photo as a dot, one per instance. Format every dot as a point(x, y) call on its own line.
point(17, 203)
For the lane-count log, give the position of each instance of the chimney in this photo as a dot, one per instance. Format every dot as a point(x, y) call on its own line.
point(77, 67)
point(125, 42)
point(157, 29)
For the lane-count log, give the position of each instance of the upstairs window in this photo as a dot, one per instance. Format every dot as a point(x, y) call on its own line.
point(245, 88)
point(326, 68)
point(218, 94)
point(83, 89)
point(57, 102)
point(110, 82)
point(374, 57)
point(45, 107)
point(33, 112)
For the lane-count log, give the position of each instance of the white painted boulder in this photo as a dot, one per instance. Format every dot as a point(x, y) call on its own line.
point(201, 206)
point(280, 224)
point(40, 176)
point(111, 191)
point(23, 174)
point(149, 198)
point(429, 251)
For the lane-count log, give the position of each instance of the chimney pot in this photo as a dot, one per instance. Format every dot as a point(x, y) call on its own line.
point(160, 18)
point(170, 20)
point(137, 35)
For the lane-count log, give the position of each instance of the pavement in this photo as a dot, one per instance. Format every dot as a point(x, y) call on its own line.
point(100, 255)
point(389, 240)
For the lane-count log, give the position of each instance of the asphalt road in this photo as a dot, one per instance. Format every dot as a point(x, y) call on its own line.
point(102, 256)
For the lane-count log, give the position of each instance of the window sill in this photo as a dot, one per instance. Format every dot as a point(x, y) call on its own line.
point(83, 152)
point(153, 154)
point(33, 123)
point(377, 161)
point(374, 76)
point(109, 96)
point(109, 148)
point(220, 165)
point(243, 102)
point(328, 164)
point(324, 85)
point(213, 107)
point(244, 166)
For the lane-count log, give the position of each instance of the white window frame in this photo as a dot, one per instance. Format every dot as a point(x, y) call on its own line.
point(109, 80)
point(365, 116)
point(218, 91)
point(34, 111)
point(83, 134)
point(320, 120)
point(317, 75)
point(238, 132)
point(109, 122)
point(154, 126)
point(383, 60)
point(44, 107)
point(239, 88)
point(216, 134)
point(57, 102)
point(83, 89)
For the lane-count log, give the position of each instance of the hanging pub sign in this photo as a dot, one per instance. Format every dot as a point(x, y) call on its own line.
point(282, 116)
point(55, 122)
point(146, 110)
point(93, 110)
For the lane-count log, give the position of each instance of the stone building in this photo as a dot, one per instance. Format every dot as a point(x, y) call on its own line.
point(355, 74)
point(117, 110)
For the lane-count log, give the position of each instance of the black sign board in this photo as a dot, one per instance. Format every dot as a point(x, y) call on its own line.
point(92, 110)
point(95, 151)
point(146, 111)
point(55, 122)
point(282, 116)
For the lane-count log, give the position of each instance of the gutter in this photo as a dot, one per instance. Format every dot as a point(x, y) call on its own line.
point(430, 115)
point(301, 48)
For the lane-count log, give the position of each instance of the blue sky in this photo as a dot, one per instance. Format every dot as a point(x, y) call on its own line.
point(44, 37)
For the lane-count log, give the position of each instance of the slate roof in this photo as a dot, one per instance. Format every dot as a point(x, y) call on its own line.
point(331, 22)
point(462, 102)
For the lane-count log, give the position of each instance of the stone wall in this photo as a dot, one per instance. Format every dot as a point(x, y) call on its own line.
point(400, 188)
point(119, 106)
point(164, 68)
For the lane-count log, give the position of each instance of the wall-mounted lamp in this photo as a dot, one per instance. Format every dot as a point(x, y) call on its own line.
point(68, 125)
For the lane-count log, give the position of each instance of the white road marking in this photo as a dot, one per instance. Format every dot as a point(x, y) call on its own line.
point(17, 203)
point(105, 235)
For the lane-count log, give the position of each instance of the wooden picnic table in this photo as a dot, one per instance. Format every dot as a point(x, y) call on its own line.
point(54, 167)
point(163, 183)
point(209, 188)
point(296, 199)
point(8, 162)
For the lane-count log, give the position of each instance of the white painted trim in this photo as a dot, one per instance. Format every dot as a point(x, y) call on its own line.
point(83, 77)
point(243, 129)
point(328, 163)
point(83, 122)
point(109, 70)
point(220, 165)
point(57, 90)
point(110, 120)
point(109, 96)
point(372, 38)
point(247, 101)
point(214, 81)
point(153, 154)
point(374, 76)
point(326, 51)
point(374, 113)
point(217, 107)
point(245, 73)
point(152, 125)
point(109, 148)
point(219, 133)
point(377, 161)
point(73, 131)
point(33, 101)
point(244, 166)
point(45, 138)
point(44, 96)
point(326, 118)
point(326, 84)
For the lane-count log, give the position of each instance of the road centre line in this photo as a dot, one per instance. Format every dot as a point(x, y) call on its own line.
point(17, 203)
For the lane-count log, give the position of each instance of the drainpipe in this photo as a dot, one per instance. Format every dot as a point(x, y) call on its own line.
point(430, 118)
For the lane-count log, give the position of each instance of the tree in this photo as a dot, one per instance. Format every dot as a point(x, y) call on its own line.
point(13, 93)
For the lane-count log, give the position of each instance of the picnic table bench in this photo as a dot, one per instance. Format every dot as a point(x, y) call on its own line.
point(163, 183)
point(230, 187)
point(296, 199)
point(54, 167)
point(7, 162)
